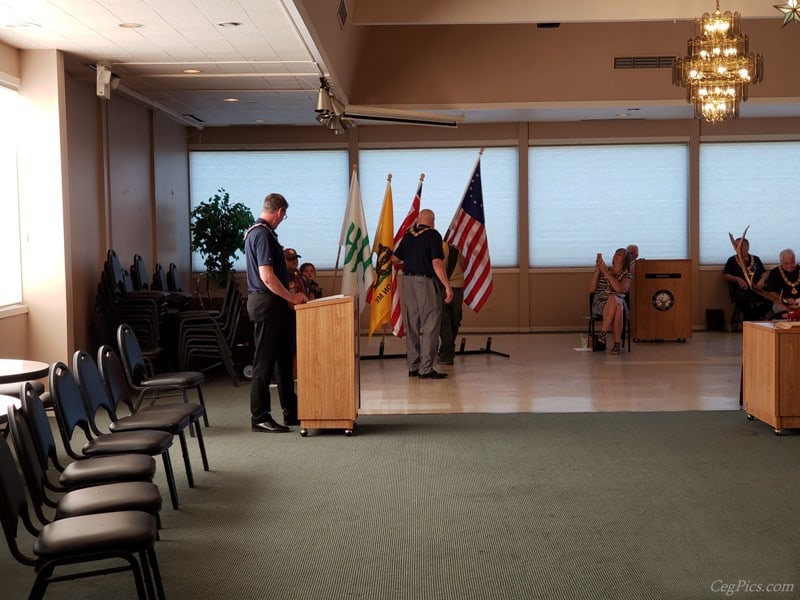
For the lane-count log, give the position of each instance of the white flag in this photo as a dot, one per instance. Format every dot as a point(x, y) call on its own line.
point(357, 272)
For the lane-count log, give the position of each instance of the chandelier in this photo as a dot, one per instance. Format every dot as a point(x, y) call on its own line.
point(719, 67)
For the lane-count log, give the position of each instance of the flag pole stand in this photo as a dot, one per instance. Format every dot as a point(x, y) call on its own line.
point(460, 352)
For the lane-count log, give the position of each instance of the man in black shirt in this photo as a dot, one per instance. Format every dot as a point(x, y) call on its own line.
point(269, 306)
point(420, 253)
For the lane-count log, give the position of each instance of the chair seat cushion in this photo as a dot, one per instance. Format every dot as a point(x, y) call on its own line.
point(129, 530)
point(173, 421)
point(192, 409)
point(145, 441)
point(108, 469)
point(113, 497)
point(177, 378)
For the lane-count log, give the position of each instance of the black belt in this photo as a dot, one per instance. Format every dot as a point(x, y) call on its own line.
point(407, 274)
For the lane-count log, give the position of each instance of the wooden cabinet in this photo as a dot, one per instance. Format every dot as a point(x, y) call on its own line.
point(328, 388)
point(771, 374)
point(661, 298)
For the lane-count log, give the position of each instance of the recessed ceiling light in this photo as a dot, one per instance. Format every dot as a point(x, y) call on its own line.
point(130, 25)
point(231, 100)
point(23, 25)
point(192, 71)
point(259, 120)
point(230, 24)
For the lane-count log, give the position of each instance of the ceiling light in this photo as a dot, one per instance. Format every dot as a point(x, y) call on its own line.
point(230, 99)
point(324, 105)
point(130, 25)
point(719, 67)
point(191, 71)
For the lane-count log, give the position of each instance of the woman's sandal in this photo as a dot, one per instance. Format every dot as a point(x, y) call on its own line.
point(601, 338)
point(616, 349)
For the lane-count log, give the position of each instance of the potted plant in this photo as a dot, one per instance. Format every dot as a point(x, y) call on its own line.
point(217, 233)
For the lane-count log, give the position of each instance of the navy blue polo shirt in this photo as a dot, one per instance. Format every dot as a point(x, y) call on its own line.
point(417, 250)
point(261, 248)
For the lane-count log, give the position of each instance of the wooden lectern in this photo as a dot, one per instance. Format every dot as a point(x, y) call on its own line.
point(328, 385)
point(661, 298)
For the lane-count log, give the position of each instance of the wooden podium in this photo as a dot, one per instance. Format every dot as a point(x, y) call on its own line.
point(328, 383)
point(770, 374)
point(661, 298)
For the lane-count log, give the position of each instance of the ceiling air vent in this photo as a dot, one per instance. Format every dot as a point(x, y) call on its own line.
point(643, 62)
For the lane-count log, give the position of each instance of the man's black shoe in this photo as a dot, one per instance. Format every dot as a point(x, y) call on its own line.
point(269, 426)
point(433, 375)
point(413, 373)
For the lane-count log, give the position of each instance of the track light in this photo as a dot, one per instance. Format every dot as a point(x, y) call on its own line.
point(324, 105)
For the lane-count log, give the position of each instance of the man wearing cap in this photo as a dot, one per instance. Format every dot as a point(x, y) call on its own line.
point(269, 306)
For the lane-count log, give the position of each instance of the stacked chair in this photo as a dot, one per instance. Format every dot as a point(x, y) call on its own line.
point(204, 334)
point(95, 527)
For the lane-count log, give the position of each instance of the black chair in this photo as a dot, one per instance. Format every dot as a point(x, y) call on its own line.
point(155, 386)
point(626, 322)
point(120, 393)
point(71, 414)
point(109, 497)
point(128, 536)
point(174, 418)
point(86, 471)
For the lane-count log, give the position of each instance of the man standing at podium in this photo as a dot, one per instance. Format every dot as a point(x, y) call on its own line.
point(420, 252)
point(269, 306)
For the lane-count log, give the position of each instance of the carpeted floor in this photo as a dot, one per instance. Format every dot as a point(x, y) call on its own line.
point(553, 506)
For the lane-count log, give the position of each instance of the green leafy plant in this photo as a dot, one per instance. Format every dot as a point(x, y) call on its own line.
point(217, 231)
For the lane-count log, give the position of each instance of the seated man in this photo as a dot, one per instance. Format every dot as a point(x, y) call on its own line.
point(785, 280)
point(752, 306)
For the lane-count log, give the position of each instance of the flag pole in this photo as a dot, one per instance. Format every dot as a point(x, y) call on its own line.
point(339, 249)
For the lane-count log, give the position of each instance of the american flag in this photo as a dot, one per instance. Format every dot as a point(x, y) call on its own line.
point(467, 232)
point(413, 213)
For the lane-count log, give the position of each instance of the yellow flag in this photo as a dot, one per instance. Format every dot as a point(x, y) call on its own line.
point(380, 296)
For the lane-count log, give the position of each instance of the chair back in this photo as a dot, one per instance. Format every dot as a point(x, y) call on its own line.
point(113, 268)
point(113, 374)
point(28, 461)
point(34, 412)
point(95, 392)
point(131, 354)
point(13, 505)
point(173, 281)
point(68, 406)
point(139, 273)
point(159, 279)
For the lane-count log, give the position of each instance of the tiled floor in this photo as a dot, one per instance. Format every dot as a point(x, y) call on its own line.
point(546, 373)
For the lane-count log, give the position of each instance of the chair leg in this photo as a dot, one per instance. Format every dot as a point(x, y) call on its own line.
point(153, 561)
point(203, 404)
point(202, 444)
point(186, 461)
point(147, 575)
point(173, 489)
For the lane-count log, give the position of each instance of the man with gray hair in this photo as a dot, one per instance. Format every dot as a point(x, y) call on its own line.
point(269, 306)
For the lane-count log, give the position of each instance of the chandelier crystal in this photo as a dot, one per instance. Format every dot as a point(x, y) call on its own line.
point(719, 67)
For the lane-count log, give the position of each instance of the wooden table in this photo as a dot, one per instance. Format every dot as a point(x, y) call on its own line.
point(770, 374)
point(13, 370)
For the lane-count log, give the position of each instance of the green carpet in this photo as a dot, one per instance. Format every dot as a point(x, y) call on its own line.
point(551, 506)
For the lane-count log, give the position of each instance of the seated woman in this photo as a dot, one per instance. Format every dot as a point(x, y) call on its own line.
point(610, 286)
point(785, 280)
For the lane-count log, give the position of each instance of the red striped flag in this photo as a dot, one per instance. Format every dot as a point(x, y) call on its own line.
point(413, 213)
point(467, 232)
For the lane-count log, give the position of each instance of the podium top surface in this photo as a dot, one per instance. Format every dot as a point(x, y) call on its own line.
point(326, 301)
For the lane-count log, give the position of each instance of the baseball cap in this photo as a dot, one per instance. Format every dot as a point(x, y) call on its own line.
point(290, 253)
